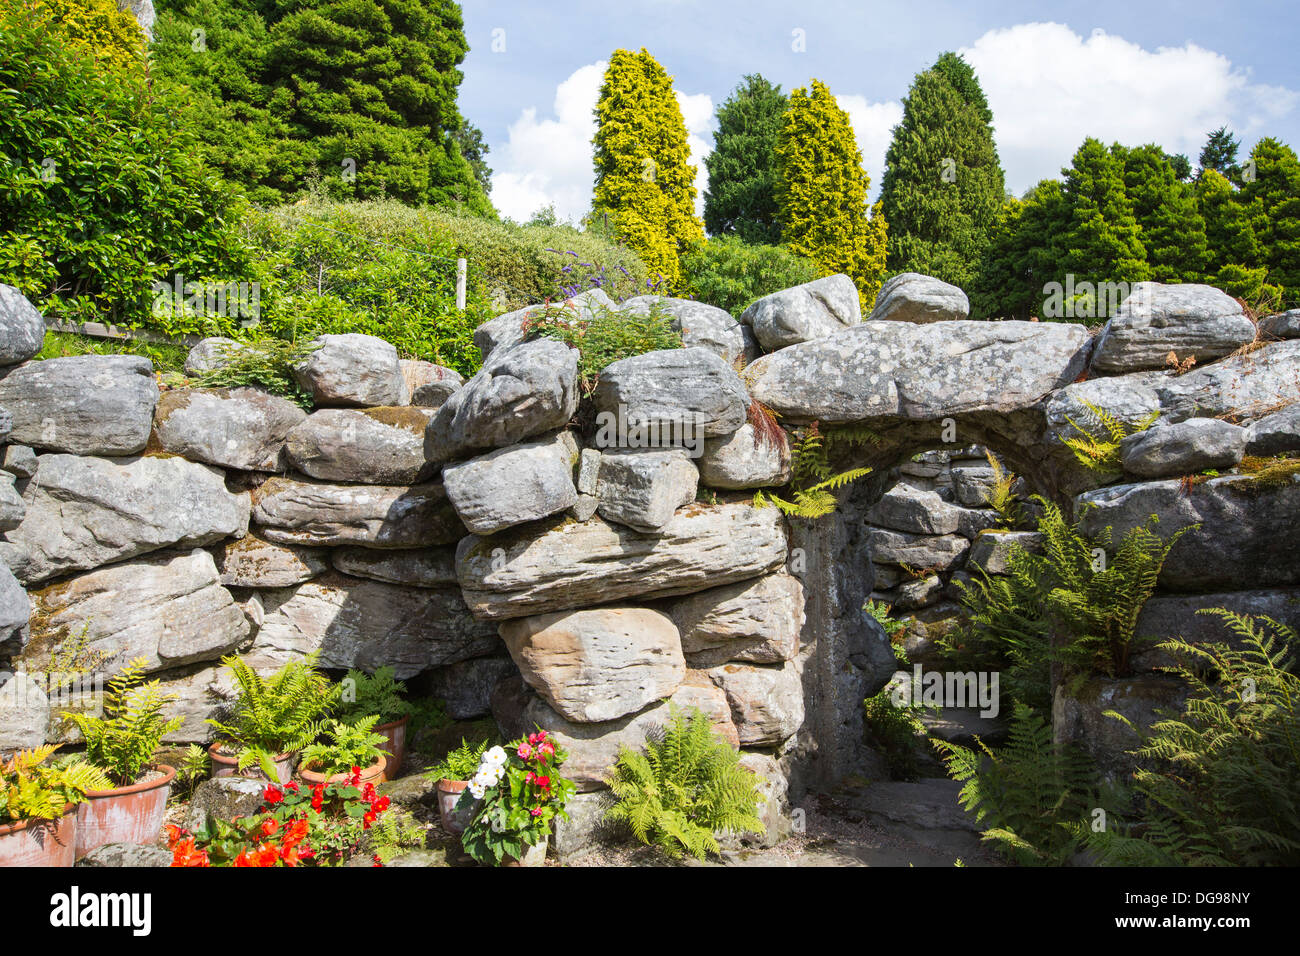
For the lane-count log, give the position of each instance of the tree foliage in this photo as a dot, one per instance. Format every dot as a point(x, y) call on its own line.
point(741, 198)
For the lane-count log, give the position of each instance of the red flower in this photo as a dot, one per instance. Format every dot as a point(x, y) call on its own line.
point(543, 782)
point(270, 826)
point(272, 794)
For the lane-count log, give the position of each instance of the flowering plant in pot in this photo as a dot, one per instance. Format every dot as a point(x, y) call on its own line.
point(272, 718)
point(379, 694)
point(122, 744)
point(522, 792)
point(348, 750)
point(453, 774)
point(38, 822)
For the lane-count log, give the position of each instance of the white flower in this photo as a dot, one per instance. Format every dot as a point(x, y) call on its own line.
point(484, 778)
point(496, 757)
point(477, 790)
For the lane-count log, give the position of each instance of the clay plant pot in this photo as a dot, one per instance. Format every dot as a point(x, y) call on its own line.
point(535, 855)
point(372, 774)
point(454, 821)
point(131, 814)
point(226, 764)
point(396, 746)
point(40, 842)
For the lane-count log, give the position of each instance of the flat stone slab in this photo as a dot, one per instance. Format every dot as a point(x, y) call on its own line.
point(374, 516)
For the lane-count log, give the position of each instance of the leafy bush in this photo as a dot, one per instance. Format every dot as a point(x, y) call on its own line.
point(165, 356)
point(101, 189)
point(683, 787)
point(378, 694)
point(731, 273)
point(1221, 782)
point(608, 336)
point(346, 745)
point(96, 28)
point(267, 364)
point(123, 743)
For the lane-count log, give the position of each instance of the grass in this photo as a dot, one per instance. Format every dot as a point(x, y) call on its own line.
point(165, 356)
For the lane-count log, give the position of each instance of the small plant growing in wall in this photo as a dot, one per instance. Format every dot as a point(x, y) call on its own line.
point(1096, 446)
point(814, 481)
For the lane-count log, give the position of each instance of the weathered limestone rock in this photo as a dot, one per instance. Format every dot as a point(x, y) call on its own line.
point(24, 712)
point(643, 489)
point(598, 664)
point(935, 552)
point(912, 297)
point(169, 609)
point(919, 372)
point(513, 485)
point(378, 446)
point(1183, 448)
point(12, 508)
point(588, 471)
point(918, 593)
point(1130, 398)
point(755, 621)
point(1080, 717)
point(584, 507)
point(805, 312)
point(518, 393)
point(585, 829)
point(1165, 617)
point(242, 428)
point(992, 549)
point(352, 369)
point(701, 325)
point(905, 508)
point(766, 701)
point(224, 799)
point(22, 328)
point(1283, 325)
point(1246, 537)
point(971, 484)
point(83, 404)
point(971, 521)
point(571, 565)
point(15, 609)
point(674, 387)
point(129, 855)
point(84, 512)
point(211, 353)
point(1276, 433)
point(430, 385)
point(744, 460)
point(421, 568)
point(1189, 320)
point(773, 804)
point(374, 516)
point(253, 562)
point(367, 624)
point(20, 461)
point(1245, 387)
point(465, 688)
point(508, 330)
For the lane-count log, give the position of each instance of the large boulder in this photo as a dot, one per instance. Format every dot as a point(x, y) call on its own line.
point(20, 461)
point(513, 485)
point(22, 328)
point(755, 621)
point(805, 312)
point(241, 428)
point(1246, 536)
point(352, 369)
point(571, 564)
point(210, 354)
point(1080, 716)
point(701, 325)
point(919, 372)
point(597, 664)
point(643, 489)
point(773, 803)
point(223, 799)
point(912, 297)
point(508, 330)
point(368, 624)
point(1243, 387)
point(254, 562)
point(1183, 448)
point(907, 508)
point(745, 459)
point(374, 516)
point(430, 385)
point(518, 393)
point(419, 567)
point(12, 507)
point(84, 512)
point(688, 390)
point(83, 404)
point(15, 609)
point(1192, 321)
point(1166, 617)
point(168, 609)
point(766, 701)
point(381, 445)
point(1276, 433)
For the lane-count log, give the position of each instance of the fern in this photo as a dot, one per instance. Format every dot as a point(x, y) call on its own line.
point(999, 496)
point(1097, 445)
point(347, 745)
point(123, 743)
point(32, 790)
point(814, 481)
point(379, 694)
point(682, 788)
point(267, 364)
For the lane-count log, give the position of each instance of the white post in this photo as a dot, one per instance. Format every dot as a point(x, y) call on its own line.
point(460, 285)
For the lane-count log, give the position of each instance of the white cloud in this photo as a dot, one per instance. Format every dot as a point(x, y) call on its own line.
point(548, 160)
point(1050, 87)
point(873, 127)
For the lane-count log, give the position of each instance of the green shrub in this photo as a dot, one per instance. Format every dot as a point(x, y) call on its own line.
point(608, 336)
point(165, 356)
point(267, 364)
point(461, 763)
point(123, 743)
point(346, 745)
point(731, 274)
point(378, 694)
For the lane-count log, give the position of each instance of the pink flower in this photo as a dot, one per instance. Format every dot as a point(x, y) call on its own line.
point(525, 752)
point(537, 811)
point(547, 748)
point(529, 777)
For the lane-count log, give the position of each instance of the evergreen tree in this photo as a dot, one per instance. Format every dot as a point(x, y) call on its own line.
point(821, 192)
point(644, 178)
point(1173, 231)
point(1270, 192)
point(943, 185)
point(1234, 256)
point(475, 149)
point(741, 197)
point(1024, 255)
point(1220, 154)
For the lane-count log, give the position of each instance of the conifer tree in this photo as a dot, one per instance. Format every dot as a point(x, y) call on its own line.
point(1220, 154)
point(821, 192)
point(1024, 255)
point(644, 178)
point(1234, 260)
point(943, 186)
point(1173, 231)
point(1270, 192)
point(741, 198)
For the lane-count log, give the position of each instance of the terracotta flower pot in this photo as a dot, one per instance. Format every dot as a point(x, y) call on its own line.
point(534, 855)
point(396, 734)
point(227, 765)
point(454, 821)
point(372, 774)
point(40, 842)
point(131, 814)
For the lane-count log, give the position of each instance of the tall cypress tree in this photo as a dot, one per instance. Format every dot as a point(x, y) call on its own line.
point(741, 197)
point(1270, 191)
point(1173, 231)
point(821, 192)
point(644, 178)
point(943, 185)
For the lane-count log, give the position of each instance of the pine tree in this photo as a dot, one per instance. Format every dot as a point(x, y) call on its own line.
point(821, 192)
point(1271, 192)
point(741, 198)
point(1220, 154)
point(1024, 255)
point(943, 186)
point(644, 178)
point(1173, 231)
point(1235, 260)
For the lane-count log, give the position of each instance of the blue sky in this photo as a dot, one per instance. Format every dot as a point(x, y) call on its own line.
point(1163, 72)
